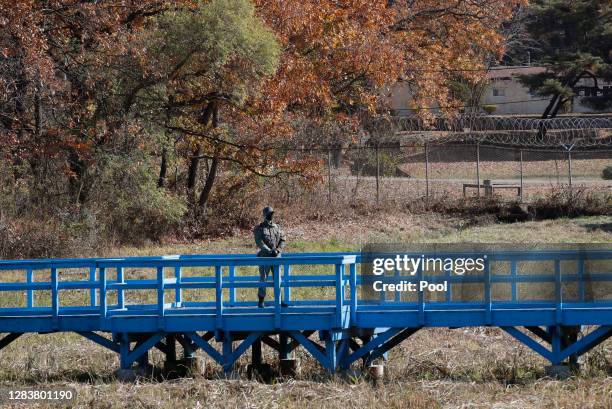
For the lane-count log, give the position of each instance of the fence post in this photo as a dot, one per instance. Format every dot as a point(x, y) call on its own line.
point(329, 183)
point(377, 174)
point(478, 167)
point(426, 171)
point(521, 167)
point(569, 167)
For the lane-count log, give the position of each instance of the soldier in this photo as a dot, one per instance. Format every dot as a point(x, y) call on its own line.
point(270, 240)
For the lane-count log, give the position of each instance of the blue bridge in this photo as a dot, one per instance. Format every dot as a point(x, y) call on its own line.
point(318, 301)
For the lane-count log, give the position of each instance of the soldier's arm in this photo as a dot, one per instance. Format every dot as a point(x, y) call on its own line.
point(259, 241)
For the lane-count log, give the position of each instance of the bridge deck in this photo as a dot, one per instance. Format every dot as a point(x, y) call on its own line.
point(548, 293)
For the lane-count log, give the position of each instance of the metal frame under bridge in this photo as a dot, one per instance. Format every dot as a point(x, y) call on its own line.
point(98, 299)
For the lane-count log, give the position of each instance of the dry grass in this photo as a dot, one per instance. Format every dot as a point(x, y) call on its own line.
point(436, 368)
point(546, 169)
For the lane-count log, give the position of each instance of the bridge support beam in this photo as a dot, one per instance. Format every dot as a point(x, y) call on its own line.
point(7, 339)
point(377, 347)
point(565, 347)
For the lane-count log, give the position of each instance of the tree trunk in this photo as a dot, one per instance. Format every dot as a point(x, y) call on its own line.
point(193, 173)
point(210, 178)
point(163, 168)
point(195, 158)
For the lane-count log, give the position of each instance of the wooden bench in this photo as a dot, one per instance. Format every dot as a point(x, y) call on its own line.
point(489, 188)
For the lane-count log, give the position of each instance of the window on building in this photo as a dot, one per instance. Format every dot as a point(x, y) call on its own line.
point(499, 92)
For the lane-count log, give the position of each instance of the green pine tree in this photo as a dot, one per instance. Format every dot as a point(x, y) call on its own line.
point(574, 38)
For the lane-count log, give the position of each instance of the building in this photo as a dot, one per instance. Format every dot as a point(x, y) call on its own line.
point(506, 95)
point(509, 96)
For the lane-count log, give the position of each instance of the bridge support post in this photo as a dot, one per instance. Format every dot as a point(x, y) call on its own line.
point(288, 364)
point(561, 338)
point(190, 364)
point(332, 355)
point(125, 373)
point(257, 368)
point(170, 364)
point(227, 346)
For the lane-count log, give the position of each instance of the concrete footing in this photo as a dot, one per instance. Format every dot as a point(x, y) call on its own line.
point(376, 372)
point(290, 367)
point(561, 371)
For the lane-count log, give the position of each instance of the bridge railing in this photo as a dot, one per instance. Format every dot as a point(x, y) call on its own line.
point(517, 279)
point(103, 277)
point(529, 278)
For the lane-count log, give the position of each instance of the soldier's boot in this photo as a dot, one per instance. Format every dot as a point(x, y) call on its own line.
point(260, 304)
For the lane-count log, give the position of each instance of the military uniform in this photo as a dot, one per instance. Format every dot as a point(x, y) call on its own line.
point(270, 240)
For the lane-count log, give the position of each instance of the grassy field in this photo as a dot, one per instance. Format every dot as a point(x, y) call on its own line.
point(546, 169)
point(436, 368)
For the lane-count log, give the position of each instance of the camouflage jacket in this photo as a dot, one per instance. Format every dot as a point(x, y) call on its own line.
point(268, 236)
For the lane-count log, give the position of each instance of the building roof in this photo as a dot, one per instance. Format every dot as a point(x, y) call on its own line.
point(507, 72)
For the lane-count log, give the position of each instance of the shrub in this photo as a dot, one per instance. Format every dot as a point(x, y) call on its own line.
point(607, 173)
point(366, 163)
point(130, 207)
point(39, 238)
point(489, 109)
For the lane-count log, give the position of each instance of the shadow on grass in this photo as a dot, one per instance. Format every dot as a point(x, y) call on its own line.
point(605, 227)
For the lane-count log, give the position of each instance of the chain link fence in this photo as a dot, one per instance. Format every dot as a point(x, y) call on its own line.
point(402, 159)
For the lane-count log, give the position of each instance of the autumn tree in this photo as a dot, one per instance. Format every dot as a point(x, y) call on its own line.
point(54, 56)
point(188, 65)
point(338, 59)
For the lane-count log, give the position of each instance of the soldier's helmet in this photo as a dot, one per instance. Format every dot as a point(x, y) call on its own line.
point(268, 210)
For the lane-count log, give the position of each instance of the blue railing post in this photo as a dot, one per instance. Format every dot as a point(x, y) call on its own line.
point(219, 295)
point(487, 288)
point(54, 296)
point(178, 294)
point(120, 280)
point(353, 286)
point(287, 286)
point(30, 292)
point(103, 309)
point(421, 299)
point(581, 290)
point(277, 296)
point(398, 295)
point(339, 293)
point(449, 293)
point(558, 292)
point(513, 271)
point(160, 292)
point(232, 290)
point(92, 290)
